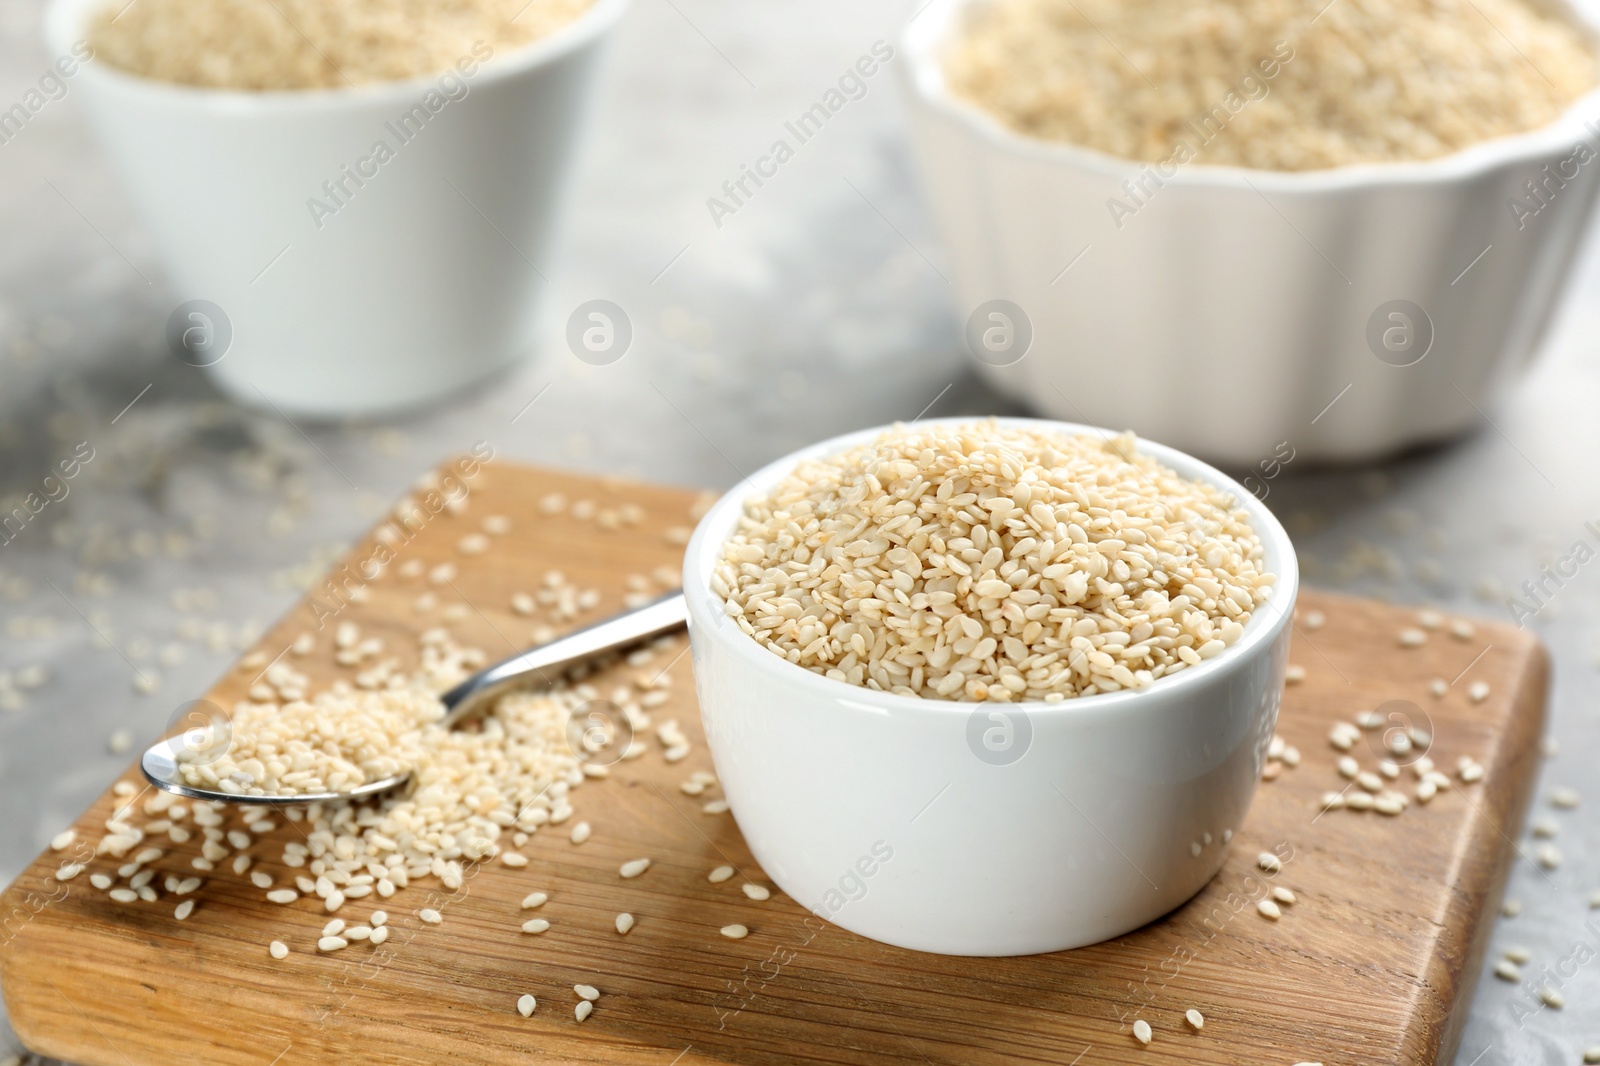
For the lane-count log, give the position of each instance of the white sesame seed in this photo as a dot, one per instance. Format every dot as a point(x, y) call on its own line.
point(716, 806)
point(1195, 1018)
point(1294, 674)
point(735, 932)
point(1332, 800)
point(124, 895)
point(1388, 769)
point(332, 943)
point(1426, 790)
point(100, 881)
point(1552, 999)
point(580, 833)
point(278, 949)
point(589, 992)
point(1412, 638)
point(62, 840)
point(358, 932)
point(1507, 970)
point(1269, 862)
point(333, 928)
point(379, 935)
point(1592, 1055)
point(1548, 856)
point(1348, 767)
point(1545, 829)
point(720, 874)
point(1511, 908)
point(184, 909)
point(1314, 620)
point(431, 916)
point(624, 923)
point(1389, 803)
point(534, 899)
point(1269, 909)
point(634, 867)
point(1369, 781)
point(1565, 798)
point(535, 925)
point(1141, 1031)
point(1284, 896)
point(1478, 691)
point(1471, 773)
point(1518, 955)
point(583, 1009)
point(756, 892)
point(1462, 629)
point(514, 859)
point(525, 1005)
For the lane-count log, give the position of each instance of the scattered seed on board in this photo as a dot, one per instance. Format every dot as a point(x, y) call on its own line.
point(720, 874)
point(431, 916)
point(1548, 855)
point(1269, 910)
point(624, 923)
point(1269, 862)
point(735, 932)
point(535, 925)
point(1507, 970)
point(580, 833)
point(756, 892)
point(1283, 895)
point(1412, 638)
point(332, 943)
point(1141, 1031)
point(185, 909)
point(534, 899)
point(1478, 691)
point(634, 867)
point(1511, 908)
point(282, 895)
point(1348, 767)
point(1552, 999)
point(63, 839)
point(525, 1005)
point(1518, 955)
point(1195, 1018)
point(589, 992)
point(278, 949)
point(583, 1009)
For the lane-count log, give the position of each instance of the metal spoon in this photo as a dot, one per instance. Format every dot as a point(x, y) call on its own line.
point(545, 662)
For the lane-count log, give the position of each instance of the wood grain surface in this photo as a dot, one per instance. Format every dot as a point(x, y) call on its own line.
point(1373, 964)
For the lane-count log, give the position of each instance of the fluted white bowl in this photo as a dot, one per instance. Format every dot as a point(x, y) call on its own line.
point(1235, 306)
point(986, 828)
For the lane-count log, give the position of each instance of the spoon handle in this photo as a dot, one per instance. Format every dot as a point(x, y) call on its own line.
point(547, 661)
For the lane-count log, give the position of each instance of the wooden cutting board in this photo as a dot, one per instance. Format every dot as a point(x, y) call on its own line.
point(1373, 964)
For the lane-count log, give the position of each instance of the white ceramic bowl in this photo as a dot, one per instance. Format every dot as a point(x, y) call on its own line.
point(1072, 822)
point(1231, 309)
point(424, 281)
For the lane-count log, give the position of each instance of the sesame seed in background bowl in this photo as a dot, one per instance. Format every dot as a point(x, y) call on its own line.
point(362, 209)
point(1258, 221)
point(1050, 794)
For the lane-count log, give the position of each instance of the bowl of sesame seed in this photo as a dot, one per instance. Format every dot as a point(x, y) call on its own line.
point(989, 687)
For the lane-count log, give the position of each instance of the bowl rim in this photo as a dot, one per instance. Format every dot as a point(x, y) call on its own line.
point(923, 79)
point(706, 615)
point(66, 23)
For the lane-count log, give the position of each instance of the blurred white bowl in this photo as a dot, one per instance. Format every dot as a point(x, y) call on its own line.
point(1235, 305)
point(1069, 823)
point(424, 282)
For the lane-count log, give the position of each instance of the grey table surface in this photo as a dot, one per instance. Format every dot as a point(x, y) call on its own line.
point(818, 309)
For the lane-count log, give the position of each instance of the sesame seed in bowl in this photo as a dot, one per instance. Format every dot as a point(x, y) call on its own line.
point(982, 820)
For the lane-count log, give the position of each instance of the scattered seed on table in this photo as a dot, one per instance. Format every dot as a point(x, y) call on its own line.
point(580, 833)
point(1511, 908)
point(716, 806)
point(1294, 674)
point(1594, 901)
point(756, 892)
point(1518, 955)
point(525, 1005)
point(261, 879)
point(100, 881)
point(1389, 803)
point(720, 874)
point(358, 932)
point(333, 928)
point(1348, 767)
point(431, 916)
point(185, 909)
point(535, 925)
point(1462, 629)
point(379, 935)
point(332, 943)
point(1565, 798)
point(1507, 970)
point(1426, 790)
point(1478, 691)
point(124, 895)
point(1314, 620)
point(1592, 1055)
point(1552, 999)
point(534, 899)
point(1283, 895)
point(514, 859)
point(379, 918)
point(624, 923)
point(583, 1009)
point(634, 867)
point(735, 932)
point(282, 895)
point(1195, 1018)
point(1269, 910)
point(1548, 855)
point(589, 992)
point(1269, 862)
point(1332, 800)
point(278, 949)
point(1412, 638)
point(1141, 1031)
point(62, 840)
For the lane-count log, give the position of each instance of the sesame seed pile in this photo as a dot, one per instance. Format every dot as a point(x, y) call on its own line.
point(1368, 81)
point(315, 44)
point(982, 562)
point(333, 743)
